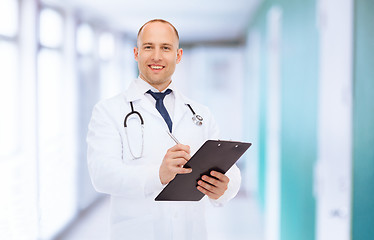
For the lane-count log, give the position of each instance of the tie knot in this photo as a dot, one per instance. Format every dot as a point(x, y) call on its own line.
point(159, 95)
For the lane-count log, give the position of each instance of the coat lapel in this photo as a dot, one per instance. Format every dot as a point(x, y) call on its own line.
point(180, 109)
point(133, 94)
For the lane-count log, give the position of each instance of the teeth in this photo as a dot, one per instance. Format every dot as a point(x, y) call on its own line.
point(156, 67)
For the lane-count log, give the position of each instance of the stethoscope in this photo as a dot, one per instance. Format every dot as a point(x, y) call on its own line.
point(197, 119)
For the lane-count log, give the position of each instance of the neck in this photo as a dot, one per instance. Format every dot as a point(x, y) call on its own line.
point(160, 87)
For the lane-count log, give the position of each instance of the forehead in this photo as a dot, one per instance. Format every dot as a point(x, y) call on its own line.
point(158, 32)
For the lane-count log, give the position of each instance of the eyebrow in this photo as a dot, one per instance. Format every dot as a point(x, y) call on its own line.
point(163, 44)
point(148, 43)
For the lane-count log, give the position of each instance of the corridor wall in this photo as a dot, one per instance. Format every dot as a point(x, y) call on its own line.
point(363, 123)
point(298, 89)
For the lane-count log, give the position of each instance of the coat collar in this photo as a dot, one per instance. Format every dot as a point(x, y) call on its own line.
point(134, 93)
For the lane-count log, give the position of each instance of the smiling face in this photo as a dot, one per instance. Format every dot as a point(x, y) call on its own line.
point(157, 54)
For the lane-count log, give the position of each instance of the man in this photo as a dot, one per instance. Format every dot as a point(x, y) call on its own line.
point(134, 167)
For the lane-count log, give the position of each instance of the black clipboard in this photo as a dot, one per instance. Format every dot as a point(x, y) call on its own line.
point(212, 155)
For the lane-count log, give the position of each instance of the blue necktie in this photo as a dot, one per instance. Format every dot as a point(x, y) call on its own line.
point(161, 107)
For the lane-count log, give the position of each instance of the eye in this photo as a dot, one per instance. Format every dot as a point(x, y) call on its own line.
point(166, 48)
point(147, 47)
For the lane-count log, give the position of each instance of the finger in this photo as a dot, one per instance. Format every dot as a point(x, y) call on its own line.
point(176, 162)
point(180, 147)
point(180, 154)
point(208, 193)
point(215, 186)
point(184, 170)
point(176, 169)
point(212, 181)
point(222, 177)
point(207, 186)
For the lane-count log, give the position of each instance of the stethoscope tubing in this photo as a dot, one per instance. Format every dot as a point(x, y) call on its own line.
point(127, 135)
point(197, 119)
point(133, 112)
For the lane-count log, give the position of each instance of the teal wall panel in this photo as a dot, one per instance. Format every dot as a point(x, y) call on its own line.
point(299, 119)
point(262, 130)
point(259, 24)
point(262, 122)
point(299, 98)
point(363, 123)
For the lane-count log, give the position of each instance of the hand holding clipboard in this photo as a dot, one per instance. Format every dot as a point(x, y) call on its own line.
point(213, 155)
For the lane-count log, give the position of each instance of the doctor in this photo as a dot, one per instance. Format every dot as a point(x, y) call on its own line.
point(134, 164)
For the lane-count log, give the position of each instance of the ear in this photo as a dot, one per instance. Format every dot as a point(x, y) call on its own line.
point(136, 53)
point(179, 55)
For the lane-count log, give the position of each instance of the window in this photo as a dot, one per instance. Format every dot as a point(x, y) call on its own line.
point(111, 82)
point(56, 127)
point(18, 219)
point(51, 28)
point(8, 18)
point(9, 85)
point(85, 40)
point(106, 46)
point(9, 101)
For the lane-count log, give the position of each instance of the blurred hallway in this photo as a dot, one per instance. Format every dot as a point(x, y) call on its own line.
point(294, 78)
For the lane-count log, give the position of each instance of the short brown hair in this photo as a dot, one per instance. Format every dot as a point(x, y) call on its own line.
point(159, 20)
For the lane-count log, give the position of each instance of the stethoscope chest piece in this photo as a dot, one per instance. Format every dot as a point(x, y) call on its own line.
point(197, 119)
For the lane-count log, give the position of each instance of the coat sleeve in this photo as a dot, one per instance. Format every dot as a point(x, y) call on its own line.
point(107, 170)
point(233, 173)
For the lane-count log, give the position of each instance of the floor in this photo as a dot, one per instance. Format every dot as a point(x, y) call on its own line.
point(240, 219)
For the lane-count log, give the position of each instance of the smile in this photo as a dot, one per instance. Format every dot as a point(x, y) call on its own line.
point(156, 67)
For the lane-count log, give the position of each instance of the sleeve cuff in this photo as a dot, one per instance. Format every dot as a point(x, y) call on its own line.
point(153, 183)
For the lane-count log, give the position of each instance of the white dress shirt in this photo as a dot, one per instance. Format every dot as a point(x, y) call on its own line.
point(169, 99)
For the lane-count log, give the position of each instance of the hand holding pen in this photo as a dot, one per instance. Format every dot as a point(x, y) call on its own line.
point(174, 160)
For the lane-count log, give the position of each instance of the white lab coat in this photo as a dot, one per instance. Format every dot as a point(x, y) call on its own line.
point(133, 184)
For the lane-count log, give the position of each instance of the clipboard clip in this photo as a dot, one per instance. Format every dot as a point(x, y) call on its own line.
point(219, 144)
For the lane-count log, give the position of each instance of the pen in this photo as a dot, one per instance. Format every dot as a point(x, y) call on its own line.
point(172, 136)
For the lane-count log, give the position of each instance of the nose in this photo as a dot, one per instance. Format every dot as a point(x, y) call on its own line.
point(157, 55)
